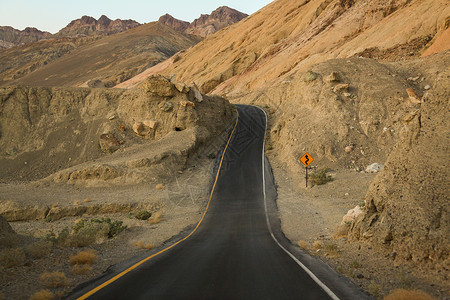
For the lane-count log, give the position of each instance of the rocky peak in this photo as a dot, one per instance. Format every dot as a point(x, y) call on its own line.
point(219, 19)
point(206, 24)
point(176, 24)
point(10, 37)
point(87, 25)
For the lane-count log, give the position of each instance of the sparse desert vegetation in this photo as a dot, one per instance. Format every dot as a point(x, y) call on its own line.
point(320, 177)
point(11, 257)
point(43, 295)
point(143, 245)
point(86, 257)
point(143, 215)
point(156, 218)
point(38, 249)
point(54, 279)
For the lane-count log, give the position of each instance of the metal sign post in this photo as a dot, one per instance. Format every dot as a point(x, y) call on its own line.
point(306, 159)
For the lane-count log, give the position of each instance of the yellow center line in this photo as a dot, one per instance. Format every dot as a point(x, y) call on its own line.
point(106, 283)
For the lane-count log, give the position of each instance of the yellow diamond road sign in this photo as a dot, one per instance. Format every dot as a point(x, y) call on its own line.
point(307, 159)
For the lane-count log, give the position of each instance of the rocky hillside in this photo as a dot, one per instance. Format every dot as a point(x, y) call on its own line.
point(289, 36)
point(87, 25)
point(10, 37)
point(19, 61)
point(407, 205)
point(217, 20)
point(176, 24)
point(206, 24)
point(103, 136)
point(107, 61)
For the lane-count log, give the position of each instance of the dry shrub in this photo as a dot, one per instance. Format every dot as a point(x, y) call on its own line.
point(374, 289)
point(402, 294)
point(342, 231)
point(76, 202)
point(83, 258)
point(88, 233)
point(317, 245)
point(320, 177)
point(11, 257)
point(54, 280)
point(143, 245)
point(82, 269)
point(331, 249)
point(54, 205)
point(143, 215)
point(156, 218)
point(43, 295)
point(303, 244)
point(38, 249)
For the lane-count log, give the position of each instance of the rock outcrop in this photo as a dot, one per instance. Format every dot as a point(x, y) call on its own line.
point(217, 20)
point(104, 135)
point(176, 24)
point(206, 24)
point(10, 37)
point(408, 203)
point(87, 25)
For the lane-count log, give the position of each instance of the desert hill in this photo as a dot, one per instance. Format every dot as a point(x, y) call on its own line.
point(206, 25)
point(10, 37)
point(108, 135)
point(19, 61)
point(112, 59)
point(288, 36)
point(87, 25)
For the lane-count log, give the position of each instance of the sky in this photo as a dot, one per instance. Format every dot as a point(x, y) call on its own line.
point(53, 15)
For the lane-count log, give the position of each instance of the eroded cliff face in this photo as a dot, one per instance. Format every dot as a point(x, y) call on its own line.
point(47, 130)
point(407, 205)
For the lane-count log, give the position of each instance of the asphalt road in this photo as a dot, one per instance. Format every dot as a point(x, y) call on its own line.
point(232, 255)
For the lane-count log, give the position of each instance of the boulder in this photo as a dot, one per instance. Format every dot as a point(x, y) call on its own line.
point(150, 124)
point(374, 168)
point(166, 106)
point(352, 214)
point(138, 128)
point(5, 228)
point(310, 76)
point(187, 104)
point(197, 95)
point(413, 97)
point(158, 85)
point(109, 143)
point(333, 77)
point(342, 87)
point(348, 149)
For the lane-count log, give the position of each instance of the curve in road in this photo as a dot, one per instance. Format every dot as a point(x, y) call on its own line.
point(231, 253)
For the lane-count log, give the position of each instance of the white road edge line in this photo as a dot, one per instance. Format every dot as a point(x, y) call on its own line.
point(311, 274)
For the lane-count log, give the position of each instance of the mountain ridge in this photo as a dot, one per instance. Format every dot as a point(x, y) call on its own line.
point(205, 25)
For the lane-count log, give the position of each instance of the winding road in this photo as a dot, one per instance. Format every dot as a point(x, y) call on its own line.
point(238, 251)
